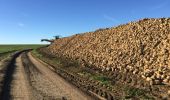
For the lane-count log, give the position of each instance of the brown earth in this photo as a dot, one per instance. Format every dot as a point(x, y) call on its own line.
point(19, 85)
point(26, 78)
point(53, 85)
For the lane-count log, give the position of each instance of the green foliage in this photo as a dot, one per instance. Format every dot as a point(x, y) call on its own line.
point(54, 61)
point(36, 53)
point(132, 92)
point(7, 48)
point(102, 79)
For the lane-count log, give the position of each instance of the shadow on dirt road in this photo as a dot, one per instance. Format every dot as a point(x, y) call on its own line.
point(5, 93)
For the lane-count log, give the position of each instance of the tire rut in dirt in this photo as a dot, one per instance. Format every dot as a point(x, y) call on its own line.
point(5, 94)
point(42, 88)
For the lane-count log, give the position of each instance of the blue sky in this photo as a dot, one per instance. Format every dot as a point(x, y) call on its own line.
point(28, 21)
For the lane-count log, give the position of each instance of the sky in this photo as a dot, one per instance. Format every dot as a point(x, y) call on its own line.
point(29, 21)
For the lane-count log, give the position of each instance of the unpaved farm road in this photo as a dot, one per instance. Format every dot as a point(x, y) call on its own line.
point(29, 79)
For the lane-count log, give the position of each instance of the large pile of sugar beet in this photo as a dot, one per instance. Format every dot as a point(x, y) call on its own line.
point(142, 48)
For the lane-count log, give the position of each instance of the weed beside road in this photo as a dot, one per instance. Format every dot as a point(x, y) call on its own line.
point(119, 85)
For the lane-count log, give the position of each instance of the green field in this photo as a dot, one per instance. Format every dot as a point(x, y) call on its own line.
point(7, 48)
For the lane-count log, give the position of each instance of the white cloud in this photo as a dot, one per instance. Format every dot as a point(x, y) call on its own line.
point(111, 19)
point(20, 24)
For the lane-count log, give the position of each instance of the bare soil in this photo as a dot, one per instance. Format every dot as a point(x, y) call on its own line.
point(19, 86)
point(25, 78)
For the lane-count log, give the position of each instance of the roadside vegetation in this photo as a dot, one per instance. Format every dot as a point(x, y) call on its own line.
point(103, 81)
point(6, 50)
point(74, 67)
point(132, 92)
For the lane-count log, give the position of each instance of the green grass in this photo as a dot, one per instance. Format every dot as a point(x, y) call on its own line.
point(53, 61)
point(98, 77)
point(7, 48)
point(36, 53)
point(129, 92)
point(71, 66)
point(102, 79)
point(74, 67)
point(132, 92)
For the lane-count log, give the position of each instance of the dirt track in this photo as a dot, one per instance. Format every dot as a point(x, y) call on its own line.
point(31, 80)
point(19, 86)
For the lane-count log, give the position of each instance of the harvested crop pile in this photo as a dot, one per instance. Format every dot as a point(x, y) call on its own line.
point(141, 48)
